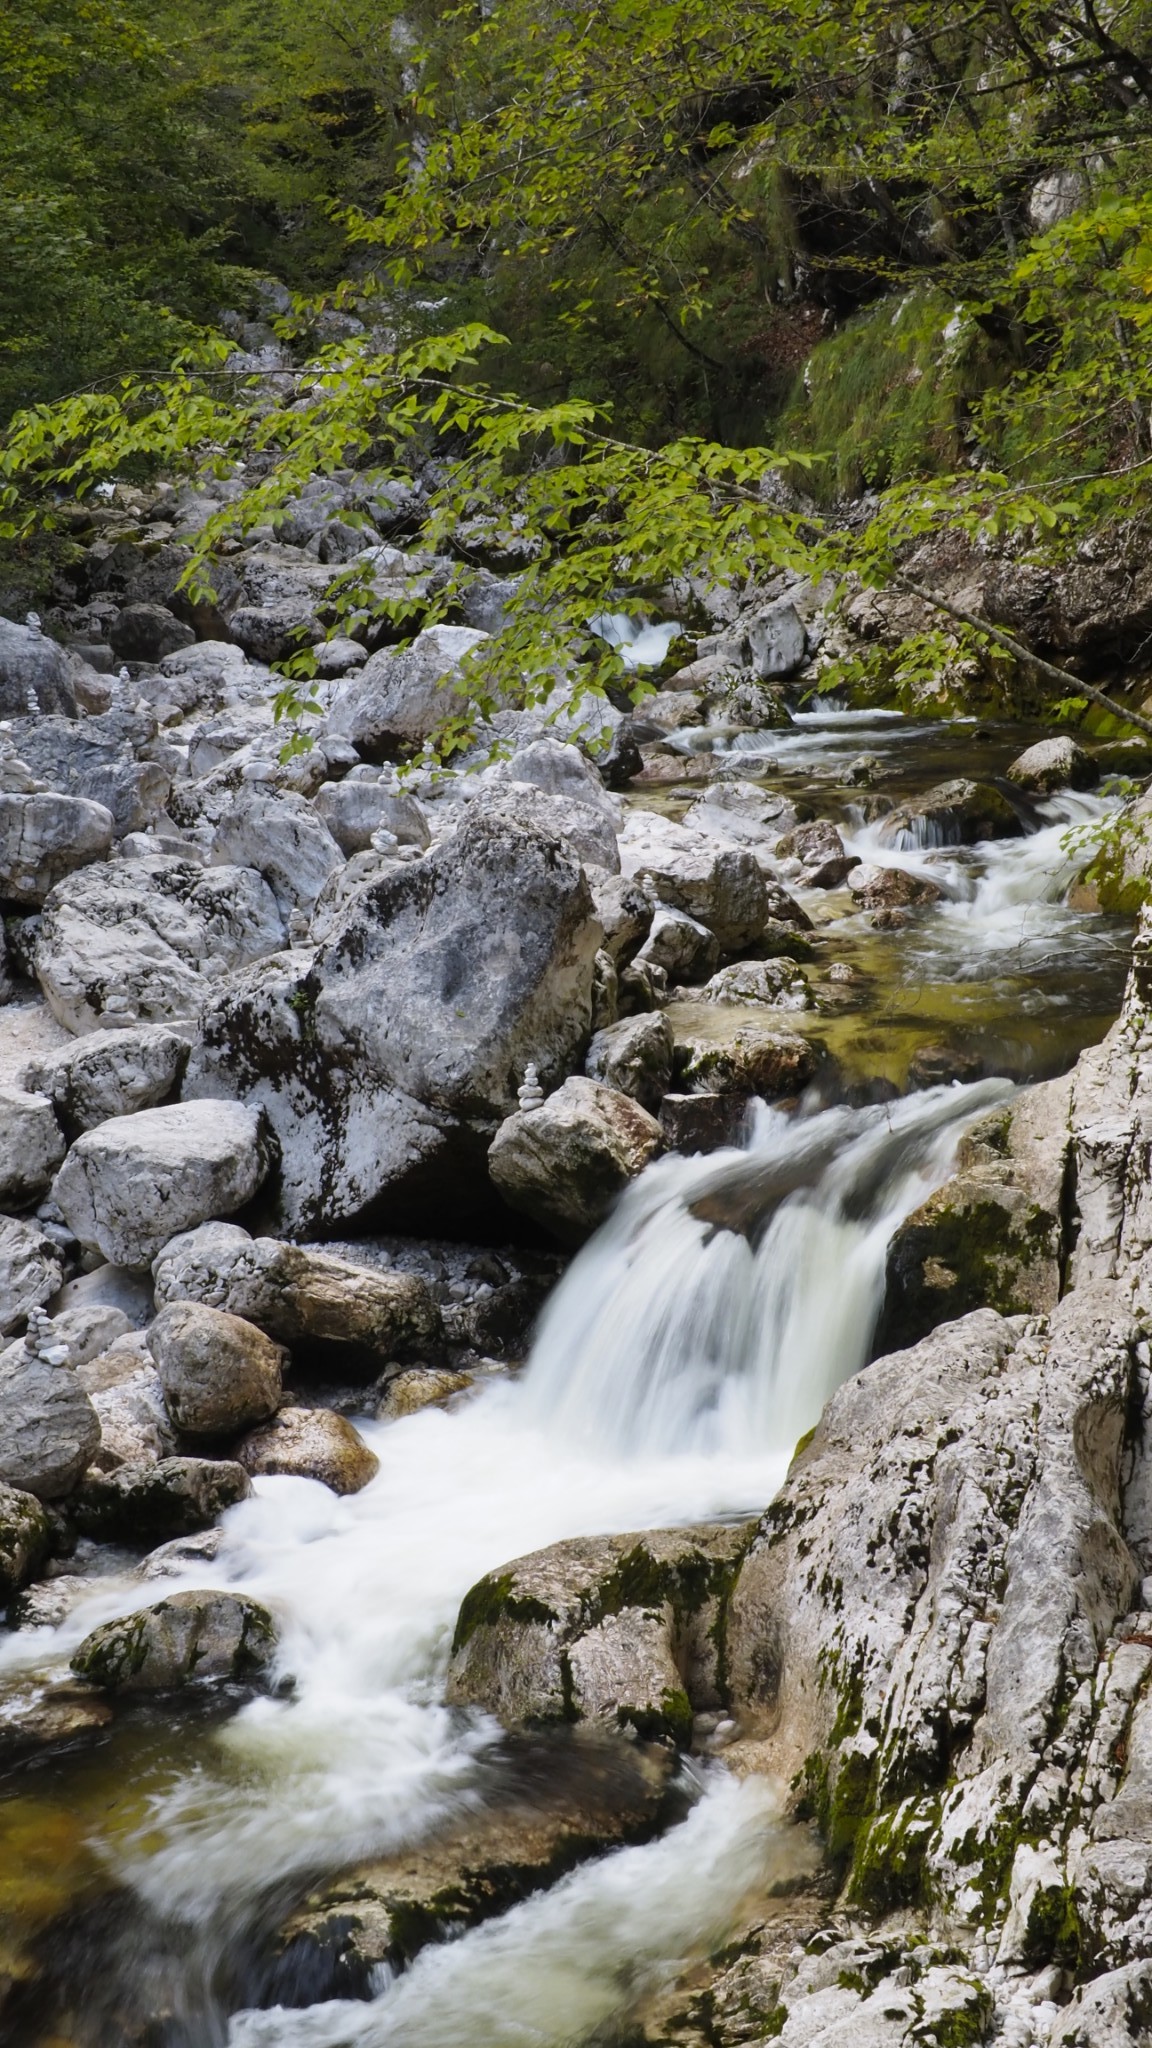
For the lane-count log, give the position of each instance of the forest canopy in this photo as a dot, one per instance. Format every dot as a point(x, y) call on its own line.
point(611, 264)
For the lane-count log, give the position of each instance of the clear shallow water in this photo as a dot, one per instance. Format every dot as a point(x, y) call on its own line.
point(689, 1346)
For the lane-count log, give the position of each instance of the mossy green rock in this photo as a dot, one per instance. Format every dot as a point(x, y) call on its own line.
point(1120, 871)
point(151, 1503)
point(25, 1534)
point(188, 1637)
point(624, 1630)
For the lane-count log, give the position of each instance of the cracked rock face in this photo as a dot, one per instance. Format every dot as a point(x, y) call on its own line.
point(385, 1058)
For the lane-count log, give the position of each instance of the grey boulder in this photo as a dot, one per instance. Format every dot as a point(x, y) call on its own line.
point(134, 1182)
point(31, 1146)
point(565, 1163)
point(110, 1073)
point(44, 837)
point(310, 1443)
point(147, 632)
point(49, 1430)
point(154, 1501)
point(398, 699)
point(344, 1318)
point(142, 941)
point(284, 840)
point(101, 759)
point(187, 1638)
point(31, 1270)
point(25, 1537)
point(219, 1373)
point(386, 1059)
point(35, 674)
point(1058, 763)
point(353, 810)
point(634, 1057)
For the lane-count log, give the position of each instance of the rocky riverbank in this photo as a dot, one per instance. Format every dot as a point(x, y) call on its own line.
point(318, 1070)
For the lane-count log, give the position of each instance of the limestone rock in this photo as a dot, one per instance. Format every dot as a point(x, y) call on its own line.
point(721, 886)
point(682, 947)
point(187, 1638)
point(35, 675)
point(712, 1055)
point(142, 940)
point(421, 1387)
point(398, 699)
point(89, 1330)
point(147, 632)
point(44, 837)
point(284, 840)
point(31, 1146)
point(877, 888)
point(779, 983)
point(219, 1373)
point(993, 1235)
point(152, 1502)
point(311, 1443)
point(101, 759)
point(1120, 870)
point(954, 814)
point(333, 1315)
point(110, 1073)
point(353, 810)
point(585, 831)
point(49, 1430)
point(385, 1059)
point(777, 641)
point(25, 1538)
point(610, 1629)
point(134, 1182)
point(565, 1163)
point(1058, 763)
point(135, 1428)
point(31, 1269)
point(634, 1057)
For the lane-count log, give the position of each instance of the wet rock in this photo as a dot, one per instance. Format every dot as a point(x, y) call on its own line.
point(31, 1146)
point(741, 1058)
point(35, 675)
point(427, 1387)
point(565, 1163)
point(738, 699)
point(311, 1443)
point(386, 1059)
point(931, 1591)
point(133, 1183)
point(112, 1073)
point(44, 837)
point(141, 942)
point(620, 1630)
point(49, 1430)
point(993, 1234)
point(780, 983)
point(25, 1538)
point(219, 1373)
point(154, 1502)
point(31, 1269)
point(937, 1064)
point(954, 814)
point(353, 810)
point(583, 1796)
point(147, 632)
point(876, 888)
point(397, 700)
point(682, 947)
point(818, 847)
point(331, 1313)
point(1053, 764)
point(1120, 870)
point(284, 840)
point(187, 1638)
point(702, 1122)
point(722, 887)
point(634, 1057)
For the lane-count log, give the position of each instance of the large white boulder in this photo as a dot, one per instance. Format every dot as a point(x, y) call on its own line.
point(49, 1430)
point(281, 837)
point(142, 941)
point(35, 674)
point(398, 698)
point(44, 836)
point(136, 1181)
point(721, 885)
point(386, 1059)
point(31, 1146)
point(110, 1073)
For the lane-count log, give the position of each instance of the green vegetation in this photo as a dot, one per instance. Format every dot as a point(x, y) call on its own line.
point(701, 248)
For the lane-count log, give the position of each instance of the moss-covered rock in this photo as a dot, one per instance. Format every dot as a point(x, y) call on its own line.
point(614, 1629)
point(151, 1503)
point(25, 1537)
point(188, 1637)
point(1120, 870)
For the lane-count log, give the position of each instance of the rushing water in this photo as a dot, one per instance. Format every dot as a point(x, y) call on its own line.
point(689, 1346)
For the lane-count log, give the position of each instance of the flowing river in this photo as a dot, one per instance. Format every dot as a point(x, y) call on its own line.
point(687, 1348)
